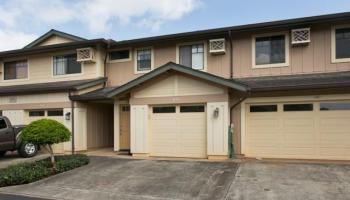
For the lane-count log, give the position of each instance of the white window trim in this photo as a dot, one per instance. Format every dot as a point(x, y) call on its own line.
point(13, 80)
point(120, 60)
point(205, 46)
point(135, 60)
point(285, 64)
point(65, 75)
point(333, 51)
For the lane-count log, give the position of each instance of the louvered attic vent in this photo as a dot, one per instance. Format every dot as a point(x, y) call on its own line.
point(86, 55)
point(217, 46)
point(301, 36)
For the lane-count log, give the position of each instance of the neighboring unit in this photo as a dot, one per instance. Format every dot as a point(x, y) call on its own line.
point(282, 88)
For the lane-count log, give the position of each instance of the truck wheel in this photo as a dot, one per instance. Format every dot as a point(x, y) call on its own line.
point(2, 153)
point(27, 150)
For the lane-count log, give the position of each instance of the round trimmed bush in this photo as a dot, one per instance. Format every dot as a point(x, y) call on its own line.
point(45, 131)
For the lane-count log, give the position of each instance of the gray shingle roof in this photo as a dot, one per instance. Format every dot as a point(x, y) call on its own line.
point(297, 82)
point(50, 87)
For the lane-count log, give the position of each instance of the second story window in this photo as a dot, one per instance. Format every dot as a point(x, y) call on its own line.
point(144, 60)
point(270, 51)
point(192, 56)
point(342, 43)
point(15, 70)
point(119, 55)
point(66, 64)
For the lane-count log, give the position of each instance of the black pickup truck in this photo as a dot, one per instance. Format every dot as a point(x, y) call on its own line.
point(10, 140)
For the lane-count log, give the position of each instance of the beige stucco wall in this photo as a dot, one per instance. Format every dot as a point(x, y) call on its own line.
point(313, 58)
point(122, 72)
point(40, 69)
point(175, 89)
point(54, 40)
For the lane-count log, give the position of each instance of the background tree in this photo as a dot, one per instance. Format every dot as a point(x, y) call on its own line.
point(46, 132)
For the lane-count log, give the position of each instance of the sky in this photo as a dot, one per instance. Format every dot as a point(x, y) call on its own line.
point(22, 21)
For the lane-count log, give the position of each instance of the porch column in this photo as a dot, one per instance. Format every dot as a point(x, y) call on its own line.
point(116, 124)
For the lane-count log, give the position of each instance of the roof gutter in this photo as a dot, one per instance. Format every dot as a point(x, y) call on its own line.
point(105, 62)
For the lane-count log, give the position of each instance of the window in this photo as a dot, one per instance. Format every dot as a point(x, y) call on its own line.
point(334, 106)
point(164, 109)
point(126, 108)
point(2, 124)
point(16, 70)
point(119, 55)
point(144, 60)
point(36, 113)
point(263, 108)
point(298, 107)
point(66, 64)
point(270, 51)
point(185, 109)
point(55, 113)
point(342, 43)
point(192, 56)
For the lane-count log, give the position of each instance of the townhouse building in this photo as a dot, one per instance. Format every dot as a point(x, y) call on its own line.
point(282, 87)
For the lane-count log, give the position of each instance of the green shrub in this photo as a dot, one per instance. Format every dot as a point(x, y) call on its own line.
point(30, 172)
point(23, 173)
point(46, 132)
point(64, 163)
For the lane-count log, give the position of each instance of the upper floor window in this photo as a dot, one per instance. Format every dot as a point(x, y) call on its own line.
point(66, 64)
point(16, 70)
point(119, 55)
point(270, 51)
point(341, 44)
point(144, 60)
point(192, 56)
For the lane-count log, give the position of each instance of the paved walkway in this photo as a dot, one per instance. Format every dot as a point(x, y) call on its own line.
point(112, 178)
point(116, 178)
point(12, 158)
point(275, 181)
point(18, 197)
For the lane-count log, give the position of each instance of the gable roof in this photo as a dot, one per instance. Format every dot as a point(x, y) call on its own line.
point(111, 92)
point(182, 69)
point(51, 33)
point(297, 82)
point(50, 87)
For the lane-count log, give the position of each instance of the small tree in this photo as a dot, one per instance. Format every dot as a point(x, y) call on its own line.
point(46, 132)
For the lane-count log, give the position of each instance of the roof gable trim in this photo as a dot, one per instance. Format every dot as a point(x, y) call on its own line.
point(178, 68)
point(51, 33)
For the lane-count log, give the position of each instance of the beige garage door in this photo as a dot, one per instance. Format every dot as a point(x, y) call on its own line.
point(178, 131)
point(305, 130)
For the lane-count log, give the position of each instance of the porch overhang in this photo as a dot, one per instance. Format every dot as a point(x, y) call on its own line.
point(61, 86)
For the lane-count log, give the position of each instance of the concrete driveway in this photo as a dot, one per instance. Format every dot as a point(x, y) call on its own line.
point(112, 178)
point(275, 181)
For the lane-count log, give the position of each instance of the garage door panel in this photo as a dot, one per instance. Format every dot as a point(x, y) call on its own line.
point(296, 122)
point(335, 153)
point(263, 122)
point(179, 134)
point(292, 151)
point(317, 134)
